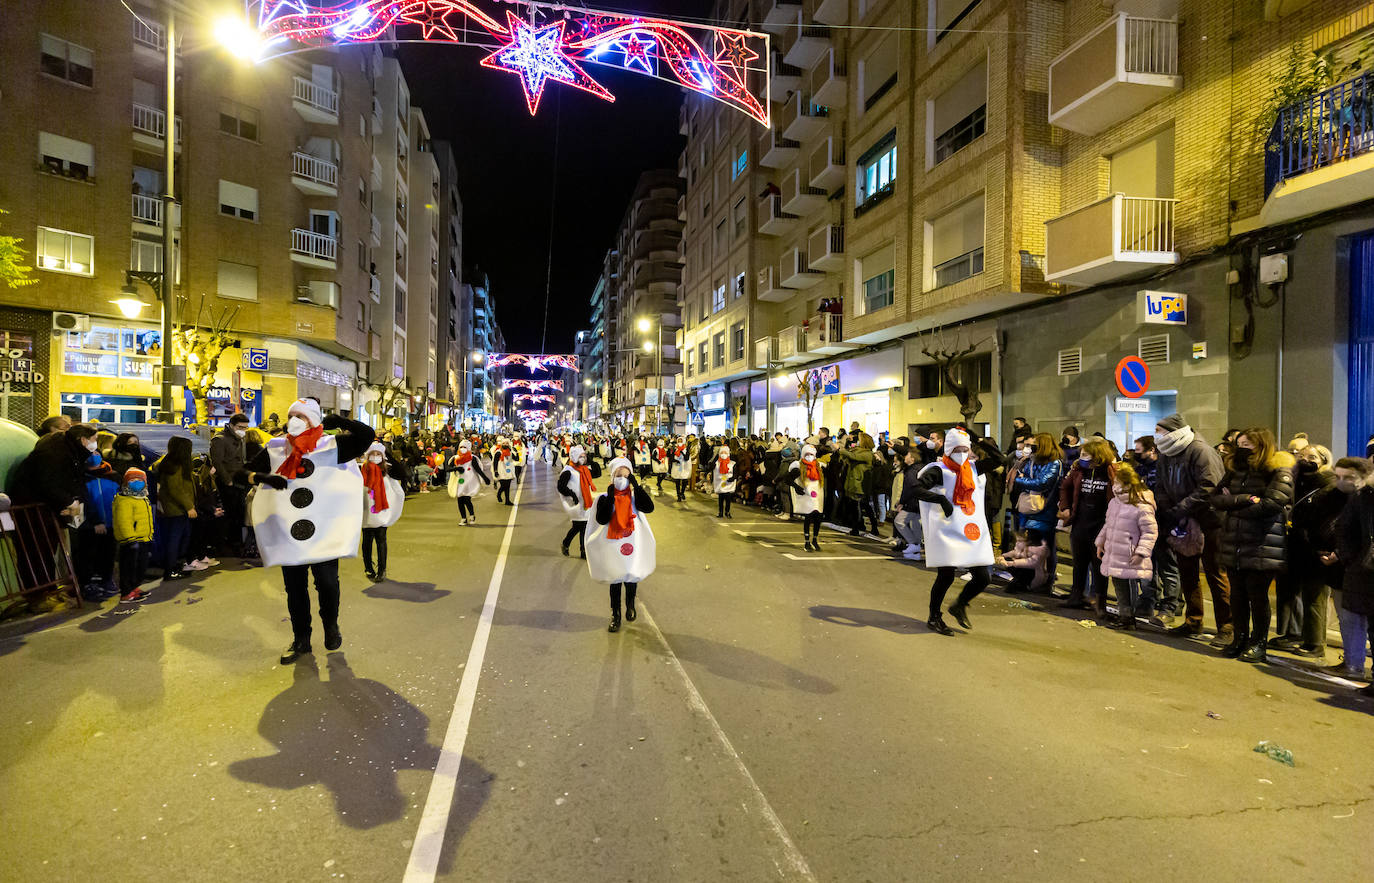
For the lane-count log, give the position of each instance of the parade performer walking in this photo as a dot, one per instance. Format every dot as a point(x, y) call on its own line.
point(383, 497)
point(641, 455)
point(578, 494)
point(808, 492)
point(463, 481)
point(681, 468)
point(306, 514)
point(659, 458)
point(955, 526)
point(518, 453)
point(620, 543)
point(503, 465)
point(723, 481)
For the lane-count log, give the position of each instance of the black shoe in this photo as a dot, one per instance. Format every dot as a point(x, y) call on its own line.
point(1187, 630)
point(1076, 605)
point(333, 639)
point(1254, 653)
point(1311, 652)
point(939, 626)
point(295, 650)
point(615, 622)
point(960, 614)
point(381, 576)
point(1115, 622)
point(565, 550)
point(1234, 649)
point(1366, 691)
point(371, 575)
point(1287, 645)
point(631, 614)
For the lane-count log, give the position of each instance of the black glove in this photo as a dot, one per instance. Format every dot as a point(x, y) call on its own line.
point(334, 421)
point(276, 482)
point(947, 507)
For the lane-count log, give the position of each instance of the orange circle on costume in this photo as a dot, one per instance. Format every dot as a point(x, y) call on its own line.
point(972, 532)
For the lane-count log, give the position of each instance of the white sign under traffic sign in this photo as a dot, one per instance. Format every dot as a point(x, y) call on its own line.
point(1132, 406)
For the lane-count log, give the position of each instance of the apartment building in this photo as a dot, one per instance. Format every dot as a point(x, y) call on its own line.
point(1031, 179)
point(454, 322)
point(595, 366)
point(485, 404)
point(422, 320)
point(642, 306)
point(267, 230)
point(579, 389)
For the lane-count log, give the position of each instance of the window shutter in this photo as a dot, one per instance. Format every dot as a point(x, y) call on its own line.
point(1071, 361)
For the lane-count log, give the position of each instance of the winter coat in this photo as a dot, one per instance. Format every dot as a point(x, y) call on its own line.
point(1039, 478)
point(860, 461)
point(54, 473)
point(133, 519)
point(1034, 558)
point(1129, 530)
point(1253, 534)
point(1148, 470)
point(100, 494)
point(1185, 483)
point(230, 458)
point(1312, 525)
point(996, 488)
point(1085, 493)
point(176, 492)
point(1355, 534)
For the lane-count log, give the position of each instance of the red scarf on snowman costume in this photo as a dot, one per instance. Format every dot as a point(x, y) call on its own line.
point(373, 479)
point(964, 485)
point(300, 446)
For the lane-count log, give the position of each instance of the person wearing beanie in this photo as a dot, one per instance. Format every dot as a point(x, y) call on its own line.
point(503, 467)
point(659, 463)
point(723, 477)
point(808, 490)
point(384, 496)
point(954, 524)
point(133, 533)
point(518, 453)
point(681, 468)
point(306, 514)
point(620, 545)
point(576, 491)
point(465, 479)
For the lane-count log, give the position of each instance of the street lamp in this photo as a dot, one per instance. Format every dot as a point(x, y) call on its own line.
point(238, 37)
point(645, 324)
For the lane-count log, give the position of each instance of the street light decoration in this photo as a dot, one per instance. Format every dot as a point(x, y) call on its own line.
point(541, 42)
point(533, 361)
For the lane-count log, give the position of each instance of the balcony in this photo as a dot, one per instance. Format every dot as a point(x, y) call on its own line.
point(682, 165)
point(803, 120)
point(796, 271)
point(313, 249)
point(768, 288)
point(780, 14)
point(147, 211)
point(827, 164)
point(1110, 239)
point(830, 81)
point(1320, 153)
point(682, 208)
point(1114, 73)
point(765, 352)
point(315, 103)
point(785, 80)
point(776, 151)
point(832, 12)
point(792, 345)
point(149, 35)
point(773, 221)
point(825, 248)
point(809, 43)
point(798, 196)
point(374, 289)
point(314, 176)
point(150, 127)
point(825, 335)
point(684, 123)
point(319, 292)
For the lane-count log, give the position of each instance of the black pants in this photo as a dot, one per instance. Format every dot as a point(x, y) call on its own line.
point(465, 509)
point(133, 563)
point(503, 487)
point(944, 578)
point(580, 529)
point(681, 484)
point(630, 589)
point(519, 470)
point(1250, 604)
point(374, 535)
point(659, 476)
point(297, 579)
point(858, 510)
point(1087, 570)
point(811, 526)
point(234, 499)
point(93, 555)
point(723, 504)
point(643, 472)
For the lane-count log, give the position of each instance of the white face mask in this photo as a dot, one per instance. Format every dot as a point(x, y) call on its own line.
point(930, 443)
point(90, 444)
point(808, 457)
point(374, 458)
point(296, 425)
point(240, 432)
point(621, 482)
point(1161, 437)
point(959, 457)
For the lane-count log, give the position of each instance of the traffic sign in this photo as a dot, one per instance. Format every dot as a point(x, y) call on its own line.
point(1132, 377)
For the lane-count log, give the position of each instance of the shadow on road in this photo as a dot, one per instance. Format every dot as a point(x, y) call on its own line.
point(549, 620)
point(736, 663)
point(862, 617)
point(419, 593)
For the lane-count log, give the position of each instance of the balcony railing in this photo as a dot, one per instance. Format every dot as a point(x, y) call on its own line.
point(147, 209)
point(320, 97)
point(314, 245)
point(149, 34)
point(1330, 127)
point(152, 122)
point(313, 168)
point(1110, 239)
point(1147, 224)
point(1113, 73)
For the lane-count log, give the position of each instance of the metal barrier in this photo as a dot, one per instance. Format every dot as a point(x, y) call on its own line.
point(34, 553)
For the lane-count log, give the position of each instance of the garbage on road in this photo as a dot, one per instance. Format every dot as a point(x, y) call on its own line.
point(1275, 751)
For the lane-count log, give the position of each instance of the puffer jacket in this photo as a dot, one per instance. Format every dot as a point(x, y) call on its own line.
point(1355, 533)
point(1253, 535)
point(1129, 530)
point(860, 461)
point(1313, 525)
point(1039, 478)
point(1185, 482)
point(1033, 558)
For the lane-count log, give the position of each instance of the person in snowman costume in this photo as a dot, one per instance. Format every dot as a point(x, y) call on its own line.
point(518, 454)
point(463, 482)
point(577, 495)
point(954, 522)
point(503, 467)
point(640, 452)
point(306, 514)
point(384, 495)
point(681, 468)
point(723, 476)
point(808, 495)
point(659, 460)
point(620, 544)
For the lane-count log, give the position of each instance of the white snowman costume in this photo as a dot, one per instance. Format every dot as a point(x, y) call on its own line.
point(641, 454)
point(810, 500)
point(578, 511)
point(628, 559)
point(660, 459)
point(963, 539)
point(604, 448)
point(681, 468)
point(723, 484)
point(395, 496)
point(503, 465)
point(464, 480)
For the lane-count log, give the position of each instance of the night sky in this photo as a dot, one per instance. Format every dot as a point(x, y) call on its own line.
point(506, 172)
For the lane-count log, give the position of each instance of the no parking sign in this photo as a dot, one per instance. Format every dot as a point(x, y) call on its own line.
point(1132, 377)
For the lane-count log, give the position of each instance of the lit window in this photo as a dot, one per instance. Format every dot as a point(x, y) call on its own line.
point(64, 252)
point(877, 171)
point(106, 351)
point(718, 298)
point(741, 164)
point(878, 290)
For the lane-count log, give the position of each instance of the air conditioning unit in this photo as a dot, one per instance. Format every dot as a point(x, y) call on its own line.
point(70, 322)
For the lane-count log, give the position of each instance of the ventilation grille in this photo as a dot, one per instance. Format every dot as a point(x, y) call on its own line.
point(1154, 350)
point(1071, 361)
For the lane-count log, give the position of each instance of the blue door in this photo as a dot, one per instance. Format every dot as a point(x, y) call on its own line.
point(1360, 379)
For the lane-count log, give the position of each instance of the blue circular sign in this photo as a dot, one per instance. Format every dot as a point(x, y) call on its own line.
point(1132, 377)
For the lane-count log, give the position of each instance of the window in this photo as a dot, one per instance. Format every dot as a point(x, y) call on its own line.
point(878, 290)
point(362, 256)
point(878, 70)
point(238, 281)
point(718, 298)
point(741, 218)
point(146, 255)
point(959, 115)
point(877, 172)
point(741, 164)
point(875, 279)
point(86, 407)
point(689, 362)
point(718, 349)
point(63, 156)
point(927, 381)
point(362, 191)
point(112, 351)
point(705, 309)
point(701, 357)
point(946, 15)
point(720, 237)
point(238, 200)
point(736, 341)
point(238, 120)
point(955, 243)
point(739, 285)
point(65, 252)
point(66, 61)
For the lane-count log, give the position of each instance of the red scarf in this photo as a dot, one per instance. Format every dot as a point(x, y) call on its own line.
point(373, 475)
point(813, 471)
point(462, 458)
point(725, 466)
point(679, 450)
point(658, 453)
point(300, 445)
point(584, 475)
point(623, 518)
point(964, 485)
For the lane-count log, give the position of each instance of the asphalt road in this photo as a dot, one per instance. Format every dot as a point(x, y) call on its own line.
point(772, 715)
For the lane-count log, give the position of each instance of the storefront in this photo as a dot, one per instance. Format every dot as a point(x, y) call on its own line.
point(711, 411)
point(869, 409)
point(105, 373)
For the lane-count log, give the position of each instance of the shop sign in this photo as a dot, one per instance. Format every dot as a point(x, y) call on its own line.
point(712, 401)
point(16, 358)
point(1132, 406)
point(1161, 308)
point(830, 380)
point(255, 360)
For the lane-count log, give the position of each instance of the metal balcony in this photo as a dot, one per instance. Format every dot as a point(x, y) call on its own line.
point(1110, 239)
point(825, 335)
point(832, 12)
point(150, 127)
point(830, 80)
point(313, 249)
point(315, 103)
point(148, 211)
point(1113, 73)
point(780, 14)
point(785, 78)
point(809, 43)
point(769, 288)
point(792, 345)
point(802, 119)
point(795, 270)
point(773, 221)
point(775, 150)
point(825, 248)
point(827, 165)
point(314, 176)
point(798, 196)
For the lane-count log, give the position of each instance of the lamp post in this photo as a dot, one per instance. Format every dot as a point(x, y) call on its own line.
point(644, 325)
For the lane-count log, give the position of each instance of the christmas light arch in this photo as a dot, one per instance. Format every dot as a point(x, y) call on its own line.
point(545, 42)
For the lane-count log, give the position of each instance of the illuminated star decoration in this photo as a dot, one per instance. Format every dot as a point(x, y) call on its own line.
point(732, 52)
point(638, 52)
point(537, 55)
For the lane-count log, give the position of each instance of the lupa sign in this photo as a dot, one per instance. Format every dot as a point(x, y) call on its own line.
point(1161, 308)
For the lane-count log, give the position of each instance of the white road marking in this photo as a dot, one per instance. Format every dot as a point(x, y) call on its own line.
point(429, 839)
point(791, 854)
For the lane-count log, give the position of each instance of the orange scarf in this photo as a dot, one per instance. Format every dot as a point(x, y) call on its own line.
point(964, 485)
point(813, 470)
point(725, 466)
point(623, 518)
point(462, 458)
point(300, 446)
point(584, 476)
point(373, 475)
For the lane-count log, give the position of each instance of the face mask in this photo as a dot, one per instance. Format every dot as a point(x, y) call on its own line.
point(1307, 466)
point(1241, 456)
point(93, 460)
point(240, 432)
point(89, 444)
point(959, 457)
point(1347, 486)
point(808, 457)
point(136, 486)
point(1085, 461)
point(621, 482)
point(296, 425)
point(1161, 437)
point(930, 443)
point(1121, 493)
point(375, 458)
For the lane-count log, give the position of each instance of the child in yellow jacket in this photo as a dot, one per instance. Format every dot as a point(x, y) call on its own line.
point(133, 530)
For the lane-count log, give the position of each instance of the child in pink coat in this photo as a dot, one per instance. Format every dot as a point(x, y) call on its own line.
point(1125, 542)
point(1025, 556)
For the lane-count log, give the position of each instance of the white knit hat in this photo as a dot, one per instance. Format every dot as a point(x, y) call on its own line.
point(309, 409)
point(575, 453)
point(465, 445)
point(808, 449)
point(956, 437)
point(376, 448)
point(618, 462)
point(723, 449)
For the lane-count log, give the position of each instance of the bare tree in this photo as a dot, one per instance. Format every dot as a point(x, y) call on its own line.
point(390, 395)
point(952, 358)
point(809, 387)
point(199, 346)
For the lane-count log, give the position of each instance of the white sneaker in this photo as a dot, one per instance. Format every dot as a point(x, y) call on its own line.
point(911, 555)
point(195, 565)
point(464, 522)
point(210, 562)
